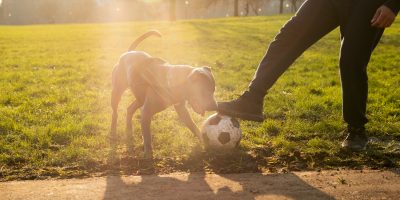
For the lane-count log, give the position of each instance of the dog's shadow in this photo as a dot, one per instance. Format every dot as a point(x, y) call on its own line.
point(205, 178)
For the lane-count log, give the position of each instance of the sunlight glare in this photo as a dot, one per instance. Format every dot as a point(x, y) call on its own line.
point(232, 185)
point(151, 1)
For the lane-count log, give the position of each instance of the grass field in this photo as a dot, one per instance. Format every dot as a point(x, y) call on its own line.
point(55, 90)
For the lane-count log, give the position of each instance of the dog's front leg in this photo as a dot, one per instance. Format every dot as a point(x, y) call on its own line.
point(153, 104)
point(185, 117)
point(115, 98)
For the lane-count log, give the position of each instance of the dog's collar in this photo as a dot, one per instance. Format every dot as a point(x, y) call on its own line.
point(170, 77)
point(172, 87)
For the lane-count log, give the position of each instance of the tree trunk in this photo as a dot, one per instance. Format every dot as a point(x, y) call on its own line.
point(247, 9)
point(281, 7)
point(236, 8)
point(1, 14)
point(255, 11)
point(294, 5)
point(172, 10)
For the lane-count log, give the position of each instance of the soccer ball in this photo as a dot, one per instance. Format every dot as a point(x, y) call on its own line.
point(221, 132)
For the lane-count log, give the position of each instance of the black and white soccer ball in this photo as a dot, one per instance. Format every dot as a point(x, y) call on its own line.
point(221, 132)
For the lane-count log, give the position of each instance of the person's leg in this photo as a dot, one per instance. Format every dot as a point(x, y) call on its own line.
point(314, 19)
point(359, 39)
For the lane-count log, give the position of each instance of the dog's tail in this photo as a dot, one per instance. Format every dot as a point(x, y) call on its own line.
point(143, 37)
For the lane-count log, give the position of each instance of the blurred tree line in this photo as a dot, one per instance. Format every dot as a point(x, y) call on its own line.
point(80, 11)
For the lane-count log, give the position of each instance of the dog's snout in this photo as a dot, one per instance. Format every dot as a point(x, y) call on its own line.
point(212, 106)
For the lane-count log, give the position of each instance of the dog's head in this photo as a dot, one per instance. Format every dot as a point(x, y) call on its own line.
point(201, 90)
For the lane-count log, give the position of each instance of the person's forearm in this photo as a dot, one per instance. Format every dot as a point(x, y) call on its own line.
point(394, 5)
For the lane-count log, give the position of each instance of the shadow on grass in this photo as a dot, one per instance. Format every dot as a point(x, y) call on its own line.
point(208, 176)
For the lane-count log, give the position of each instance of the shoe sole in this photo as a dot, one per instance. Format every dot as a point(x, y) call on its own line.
point(243, 116)
point(357, 149)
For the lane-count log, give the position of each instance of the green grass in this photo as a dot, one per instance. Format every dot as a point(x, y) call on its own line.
point(55, 95)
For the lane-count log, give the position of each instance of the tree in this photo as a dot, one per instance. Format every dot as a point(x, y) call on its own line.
point(208, 3)
point(294, 5)
point(247, 8)
point(49, 10)
point(1, 13)
point(281, 6)
point(236, 8)
point(82, 10)
point(172, 10)
point(255, 5)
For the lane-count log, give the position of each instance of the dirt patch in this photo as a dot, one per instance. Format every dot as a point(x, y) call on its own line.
point(343, 184)
point(258, 160)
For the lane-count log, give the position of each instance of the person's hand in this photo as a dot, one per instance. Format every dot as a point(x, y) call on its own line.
point(383, 18)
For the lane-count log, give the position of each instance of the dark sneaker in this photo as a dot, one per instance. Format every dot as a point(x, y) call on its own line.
point(246, 107)
point(356, 139)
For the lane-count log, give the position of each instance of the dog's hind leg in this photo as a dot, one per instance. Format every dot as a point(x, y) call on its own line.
point(129, 114)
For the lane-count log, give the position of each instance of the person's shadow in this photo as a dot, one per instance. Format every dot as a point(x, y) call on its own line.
point(200, 184)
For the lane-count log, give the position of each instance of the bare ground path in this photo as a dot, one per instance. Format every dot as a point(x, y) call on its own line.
point(342, 184)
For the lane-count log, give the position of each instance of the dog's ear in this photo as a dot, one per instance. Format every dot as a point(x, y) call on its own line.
point(203, 76)
point(200, 73)
point(207, 68)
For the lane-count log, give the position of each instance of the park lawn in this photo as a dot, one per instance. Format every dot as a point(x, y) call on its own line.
point(55, 95)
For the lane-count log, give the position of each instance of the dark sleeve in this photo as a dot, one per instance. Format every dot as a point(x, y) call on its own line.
point(394, 5)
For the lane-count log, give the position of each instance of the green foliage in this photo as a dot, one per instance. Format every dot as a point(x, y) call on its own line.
point(55, 90)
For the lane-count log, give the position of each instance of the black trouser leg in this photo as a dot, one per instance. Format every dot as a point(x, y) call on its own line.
point(358, 41)
point(314, 19)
